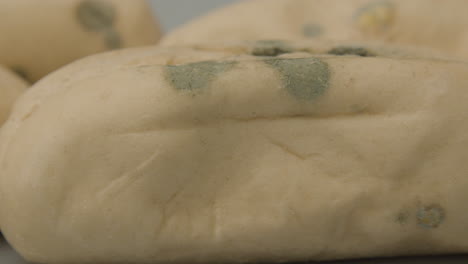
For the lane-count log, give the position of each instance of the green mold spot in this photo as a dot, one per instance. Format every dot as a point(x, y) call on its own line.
point(402, 217)
point(113, 40)
point(375, 17)
point(312, 30)
point(358, 109)
point(303, 78)
point(347, 50)
point(196, 76)
point(373, 7)
point(271, 48)
point(430, 216)
point(21, 72)
point(96, 15)
point(99, 16)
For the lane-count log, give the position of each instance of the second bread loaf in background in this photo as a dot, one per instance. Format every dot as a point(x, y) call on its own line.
point(37, 37)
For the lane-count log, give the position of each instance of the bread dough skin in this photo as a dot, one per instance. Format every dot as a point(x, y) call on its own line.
point(192, 155)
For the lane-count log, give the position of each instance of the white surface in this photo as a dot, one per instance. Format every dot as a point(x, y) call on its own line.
point(8, 255)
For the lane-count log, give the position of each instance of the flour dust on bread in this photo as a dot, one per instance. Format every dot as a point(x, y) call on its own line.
point(38, 37)
point(437, 24)
point(11, 87)
point(176, 155)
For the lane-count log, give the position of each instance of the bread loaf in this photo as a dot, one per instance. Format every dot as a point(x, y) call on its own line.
point(204, 155)
point(38, 37)
point(436, 24)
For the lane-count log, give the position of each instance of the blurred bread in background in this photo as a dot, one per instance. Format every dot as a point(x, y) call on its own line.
point(37, 37)
point(440, 25)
